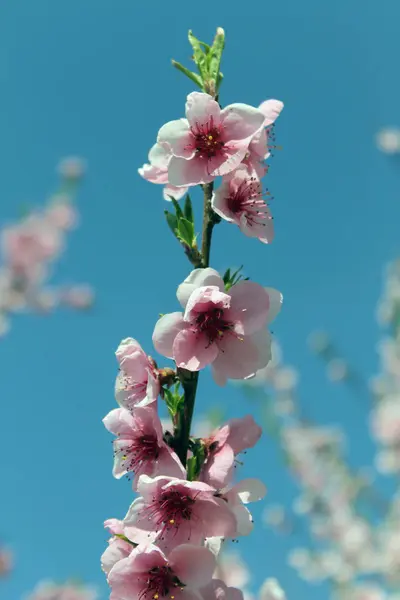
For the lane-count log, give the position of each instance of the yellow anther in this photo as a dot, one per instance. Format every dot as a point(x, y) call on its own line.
point(155, 596)
point(172, 521)
point(210, 137)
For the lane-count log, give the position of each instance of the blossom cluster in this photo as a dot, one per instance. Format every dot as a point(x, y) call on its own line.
point(47, 590)
point(29, 249)
point(188, 500)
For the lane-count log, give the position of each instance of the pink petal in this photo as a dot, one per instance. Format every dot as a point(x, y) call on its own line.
point(116, 551)
point(271, 110)
point(188, 172)
point(275, 303)
point(249, 490)
point(218, 469)
point(176, 192)
point(262, 341)
point(152, 390)
point(194, 565)
point(178, 136)
point(198, 278)
point(165, 332)
point(200, 109)
point(115, 526)
point(244, 520)
point(169, 464)
point(243, 433)
point(249, 307)
point(217, 517)
point(238, 359)
point(232, 156)
point(159, 156)
point(204, 299)
point(219, 202)
point(119, 421)
point(218, 590)
point(241, 121)
point(264, 230)
point(193, 351)
point(153, 174)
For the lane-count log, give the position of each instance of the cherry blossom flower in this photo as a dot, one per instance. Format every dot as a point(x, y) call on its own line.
point(385, 420)
point(72, 168)
point(225, 329)
point(259, 151)
point(239, 199)
point(223, 445)
point(118, 548)
point(137, 382)
point(157, 171)
point(139, 446)
point(147, 573)
point(210, 141)
point(180, 511)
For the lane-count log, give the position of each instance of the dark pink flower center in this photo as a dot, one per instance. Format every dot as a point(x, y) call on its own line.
point(161, 583)
point(213, 324)
point(171, 509)
point(207, 139)
point(248, 199)
point(141, 450)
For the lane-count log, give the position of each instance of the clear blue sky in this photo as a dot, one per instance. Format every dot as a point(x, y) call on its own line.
point(93, 78)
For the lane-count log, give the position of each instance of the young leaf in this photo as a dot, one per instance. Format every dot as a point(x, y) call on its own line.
point(186, 232)
point(188, 209)
point(178, 210)
point(172, 221)
point(191, 468)
point(199, 56)
point(193, 76)
point(227, 277)
point(216, 54)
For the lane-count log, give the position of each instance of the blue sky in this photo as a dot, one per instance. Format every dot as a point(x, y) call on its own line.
point(93, 78)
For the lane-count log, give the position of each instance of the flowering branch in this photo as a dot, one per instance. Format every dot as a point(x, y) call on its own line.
point(167, 544)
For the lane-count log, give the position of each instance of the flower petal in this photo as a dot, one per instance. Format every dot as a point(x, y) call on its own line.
point(237, 359)
point(188, 172)
point(179, 138)
point(271, 110)
point(176, 192)
point(241, 121)
point(250, 490)
point(193, 351)
point(249, 307)
point(198, 278)
point(165, 332)
point(194, 565)
point(159, 156)
point(201, 109)
point(275, 303)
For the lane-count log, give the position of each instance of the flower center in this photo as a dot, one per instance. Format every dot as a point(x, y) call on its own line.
point(170, 510)
point(248, 200)
point(161, 583)
point(208, 142)
point(140, 450)
point(212, 324)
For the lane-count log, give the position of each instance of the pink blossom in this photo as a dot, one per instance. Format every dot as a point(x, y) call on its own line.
point(385, 420)
point(259, 149)
point(61, 213)
point(67, 591)
point(117, 548)
point(72, 168)
point(247, 490)
point(218, 590)
point(78, 296)
point(137, 383)
point(239, 199)
point(149, 575)
point(223, 445)
point(157, 171)
point(139, 446)
point(180, 511)
point(6, 562)
point(225, 329)
point(210, 141)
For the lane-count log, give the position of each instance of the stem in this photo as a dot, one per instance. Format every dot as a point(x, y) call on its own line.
point(189, 379)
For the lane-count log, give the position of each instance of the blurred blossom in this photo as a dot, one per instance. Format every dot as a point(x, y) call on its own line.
point(79, 296)
point(274, 516)
point(47, 590)
point(319, 342)
point(337, 369)
point(72, 168)
point(232, 570)
point(6, 562)
point(388, 140)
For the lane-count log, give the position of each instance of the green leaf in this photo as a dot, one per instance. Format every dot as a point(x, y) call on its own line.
point(227, 276)
point(191, 468)
point(193, 76)
point(123, 537)
point(195, 463)
point(172, 221)
point(186, 232)
point(188, 209)
point(178, 210)
point(199, 56)
point(216, 54)
point(173, 401)
point(220, 78)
